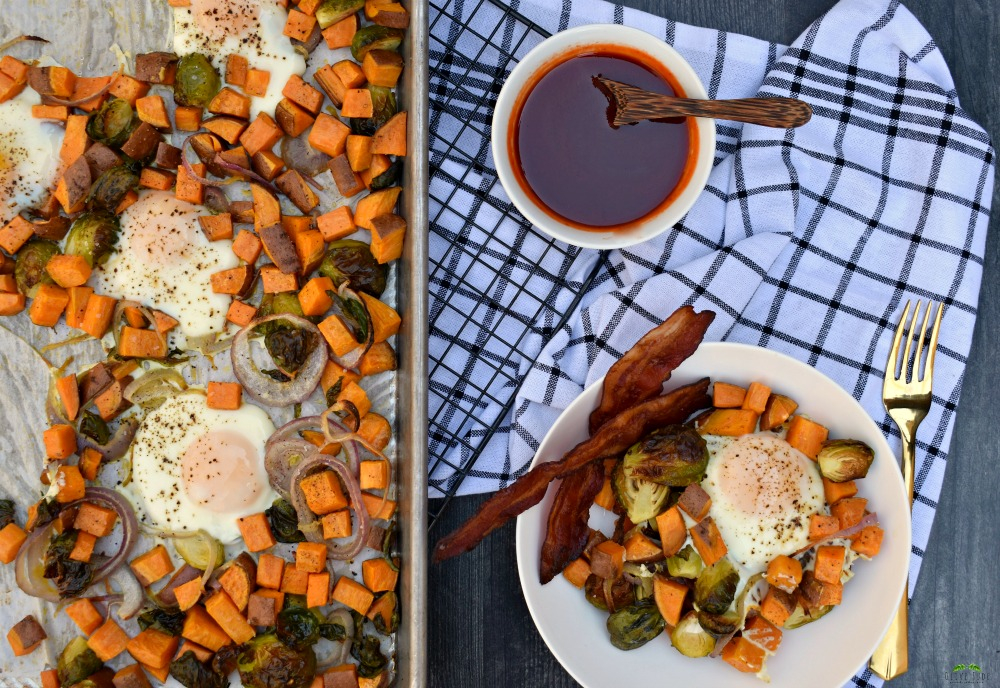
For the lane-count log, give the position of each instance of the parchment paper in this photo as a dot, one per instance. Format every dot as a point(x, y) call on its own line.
point(81, 35)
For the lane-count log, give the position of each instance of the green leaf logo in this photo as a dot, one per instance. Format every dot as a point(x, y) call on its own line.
point(975, 667)
point(960, 667)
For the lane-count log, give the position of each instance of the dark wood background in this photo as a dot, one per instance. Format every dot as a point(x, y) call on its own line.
point(481, 634)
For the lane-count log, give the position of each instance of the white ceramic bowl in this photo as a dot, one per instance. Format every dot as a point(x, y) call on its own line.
point(540, 59)
point(823, 654)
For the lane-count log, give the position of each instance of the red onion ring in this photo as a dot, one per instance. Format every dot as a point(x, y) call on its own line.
point(278, 463)
point(341, 652)
point(131, 593)
point(111, 499)
point(119, 313)
point(306, 517)
point(235, 169)
point(869, 519)
point(267, 390)
point(291, 430)
point(81, 101)
point(32, 554)
point(194, 175)
point(119, 442)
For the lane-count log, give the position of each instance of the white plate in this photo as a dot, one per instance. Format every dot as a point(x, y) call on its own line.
point(824, 653)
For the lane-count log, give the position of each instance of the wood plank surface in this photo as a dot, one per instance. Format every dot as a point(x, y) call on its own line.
point(481, 634)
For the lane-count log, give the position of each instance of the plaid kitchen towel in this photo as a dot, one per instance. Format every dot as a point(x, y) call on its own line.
point(806, 241)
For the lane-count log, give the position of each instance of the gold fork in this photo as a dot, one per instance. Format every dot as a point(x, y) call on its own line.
point(907, 399)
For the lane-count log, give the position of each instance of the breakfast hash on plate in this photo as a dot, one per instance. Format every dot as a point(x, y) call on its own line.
point(733, 519)
point(217, 492)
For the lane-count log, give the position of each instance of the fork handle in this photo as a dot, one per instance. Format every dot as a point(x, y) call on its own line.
point(892, 656)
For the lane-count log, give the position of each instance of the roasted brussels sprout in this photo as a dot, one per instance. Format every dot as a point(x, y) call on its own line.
point(94, 427)
point(715, 588)
point(622, 593)
point(800, 616)
point(198, 550)
point(7, 507)
point(266, 662)
point(383, 108)
point(29, 265)
point(284, 522)
point(163, 620)
point(718, 625)
point(368, 652)
point(93, 235)
point(76, 662)
point(352, 261)
point(332, 631)
point(113, 123)
point(374, 37)
point(71, 577)
point(111, 187)
point(685, 564)
point(297, 627)
point(272, 304)
point(676, 456)
point(47, 511)
point(192, 673)
point(642, 500)
point(289, 346)
point(332, 11)
point(196, 82)
point(389, 177)
point(635, 625)
point(690, 639)
point(843, 460)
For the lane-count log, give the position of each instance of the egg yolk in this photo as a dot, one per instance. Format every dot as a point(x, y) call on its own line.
point(762, 476)
point(219, 470)
point(220, 18)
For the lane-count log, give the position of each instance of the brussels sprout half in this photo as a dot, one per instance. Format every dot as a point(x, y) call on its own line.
point(715, 589)
point(685, 564)
point(642, 500)
point(352, 261)
point(29, 265)
point(196, 82)
point(374, 37)
point(332, 11)
point(843, 460)
point(265, 662)
point(635, 625)
point(113, 123)
point(383, 109)
point(801, 616)
point(676, 456)
point(111, 187)
point(690, 639)
point(92, 235)
point(76, 662)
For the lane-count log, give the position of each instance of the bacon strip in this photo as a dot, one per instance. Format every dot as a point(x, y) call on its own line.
point(614, 437)
point(639, 374)
point(567, 531)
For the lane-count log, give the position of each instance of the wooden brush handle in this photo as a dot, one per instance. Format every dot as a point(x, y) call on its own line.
point(634, 105)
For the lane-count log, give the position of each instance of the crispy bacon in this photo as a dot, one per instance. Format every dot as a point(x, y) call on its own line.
point(639, 374)
point(614, 437)
point(567, 531)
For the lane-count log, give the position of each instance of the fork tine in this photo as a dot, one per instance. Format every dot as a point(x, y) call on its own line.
point(905, 370)
point(890, 366)
point(917, 370)
point(929, 361)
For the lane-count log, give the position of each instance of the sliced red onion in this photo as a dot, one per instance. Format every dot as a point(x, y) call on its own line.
point(110, 499)
point(291, 430)
point(235, 169)
point(194, 175)
point(267, 390)
point(119, 442)
point(306, 517)
point(339, 652)
point(29, 565)
point(280, 461)
point(131, 591)
point(154, 386)
point(87, 99)
point(869, 519)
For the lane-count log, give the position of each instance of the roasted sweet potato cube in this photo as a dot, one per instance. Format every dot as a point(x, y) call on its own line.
point(341, 34)
point(292, 118)
point(293, 185)
point(347, 180)
point(393, 15)
point(388, 234)
point(382, 67)
point(237, 67)
point(156, 68)
point(217, 227)
point(329, 135)
point(357, 103)
point(142, 143)
point(263, 607)
point(280, 248)
point(302, 94)
point(25, 636)
point(695, 502)
point(337, 223)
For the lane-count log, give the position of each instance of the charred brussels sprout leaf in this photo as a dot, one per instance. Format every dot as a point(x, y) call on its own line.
point(685, 564)
point(801, 616)
point(333, 632)
point(71, 577)
point(715, 588)
point(297, 627)
point(389, 177)
point(113, 123)
point(690, 639)
point(284, 522)
point(635, 625)
point(387, 624)
point(383, 108)
point(191, 673)
point(111, 187)
point(196, 82)
point(719, 625)
point(375, 37)
point(843, 460)
point(76, 662)
point(94, 427)
point(352, 261)
point(29, 265)
point(266, 662)
point(368, 652)
point(643, 500)
point(93, 235)
point(332, 11)
point(355, 314)
point(289, 347)
point(169, 622)
point(6, 513)
point(676, 456)
point(48, 509)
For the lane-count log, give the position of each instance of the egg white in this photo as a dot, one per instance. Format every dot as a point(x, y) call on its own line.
point(29, 155)
point(251, 28)
point(158, 489)
point(763, 492)
point(164, 260)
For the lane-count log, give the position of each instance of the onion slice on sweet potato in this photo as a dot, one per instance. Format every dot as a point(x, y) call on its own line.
point(615, 436)
point(639, 374)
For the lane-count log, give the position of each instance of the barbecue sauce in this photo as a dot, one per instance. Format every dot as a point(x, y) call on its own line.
point(579, 168)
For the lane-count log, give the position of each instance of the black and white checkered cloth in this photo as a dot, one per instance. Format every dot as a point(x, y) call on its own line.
point(805, 241)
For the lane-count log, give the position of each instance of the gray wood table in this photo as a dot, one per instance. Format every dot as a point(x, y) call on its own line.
point(480, 631)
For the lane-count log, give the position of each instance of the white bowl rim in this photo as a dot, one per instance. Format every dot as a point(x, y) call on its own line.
point(541, 54)
point(888, 494)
